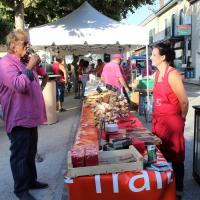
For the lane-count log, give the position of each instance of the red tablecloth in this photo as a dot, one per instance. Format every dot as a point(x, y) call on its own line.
point(147, 184)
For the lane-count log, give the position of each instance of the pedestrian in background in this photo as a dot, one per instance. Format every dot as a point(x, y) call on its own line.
point(99, 67)
point(144, 71)
point(80, 71)
point(75, 73)
point(85, 76)
point(112, 75)
point(126, 71)
point(170, 110)
point(23, 110)
point(58, 68)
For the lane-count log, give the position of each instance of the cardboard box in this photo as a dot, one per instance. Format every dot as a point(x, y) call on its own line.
point(143, 84)
point(110, 162)
point(135, 97)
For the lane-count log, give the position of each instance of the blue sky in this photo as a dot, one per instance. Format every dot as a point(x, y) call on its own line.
point(141, 14)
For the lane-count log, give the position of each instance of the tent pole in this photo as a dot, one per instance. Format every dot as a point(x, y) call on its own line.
point(147, 73)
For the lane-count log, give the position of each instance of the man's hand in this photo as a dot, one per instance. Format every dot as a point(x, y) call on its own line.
point(33, 61)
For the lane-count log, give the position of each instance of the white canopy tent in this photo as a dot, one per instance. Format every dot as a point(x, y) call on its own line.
point(87, 30)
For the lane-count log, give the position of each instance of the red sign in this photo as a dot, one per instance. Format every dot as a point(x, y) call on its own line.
point(184, 30)
point(128, 185)
point(183, 27)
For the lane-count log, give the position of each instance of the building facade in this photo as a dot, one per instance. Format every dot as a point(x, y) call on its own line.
point(195, 12)
point(172, 23)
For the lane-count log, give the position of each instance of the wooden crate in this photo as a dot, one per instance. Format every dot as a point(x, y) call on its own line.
point(109, 162)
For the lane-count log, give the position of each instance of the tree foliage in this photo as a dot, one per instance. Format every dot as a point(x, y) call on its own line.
point(5, 28)
point(39, 12)
point(6, 24)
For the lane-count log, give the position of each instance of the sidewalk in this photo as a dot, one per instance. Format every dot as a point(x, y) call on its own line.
point(54, 142)
point(192, 81)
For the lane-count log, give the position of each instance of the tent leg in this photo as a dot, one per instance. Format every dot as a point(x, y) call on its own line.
point(147, 73)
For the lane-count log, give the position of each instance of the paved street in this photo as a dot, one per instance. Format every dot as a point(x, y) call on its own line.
point(55, 140)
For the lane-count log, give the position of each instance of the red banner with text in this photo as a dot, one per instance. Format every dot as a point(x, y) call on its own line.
point(147, 184)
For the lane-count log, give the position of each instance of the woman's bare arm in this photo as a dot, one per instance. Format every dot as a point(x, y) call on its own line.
point(176, 83)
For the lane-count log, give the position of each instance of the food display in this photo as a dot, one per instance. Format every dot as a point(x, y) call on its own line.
point(142, 134)
point(108, 105)
point(95, 97)
point(85, 149)
point(107, 113)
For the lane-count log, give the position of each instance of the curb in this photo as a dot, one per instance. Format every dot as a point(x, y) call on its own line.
point(64, 193)
point(191, 82)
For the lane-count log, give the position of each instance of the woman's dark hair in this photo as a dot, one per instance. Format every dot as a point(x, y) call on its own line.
point(81, 61)
point(99, 60)
point(166, 50)
point(59, 59)
point(85, 63)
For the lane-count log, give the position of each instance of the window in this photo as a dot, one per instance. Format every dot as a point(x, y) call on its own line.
point(165, 27)
point(173, 24)
point(189, 44)
point(151, 35)
point(181, 16)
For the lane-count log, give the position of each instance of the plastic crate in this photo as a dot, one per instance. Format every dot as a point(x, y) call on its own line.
point(143, 84)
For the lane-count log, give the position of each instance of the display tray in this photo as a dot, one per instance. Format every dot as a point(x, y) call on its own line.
point(110, 162)
point(143, 134)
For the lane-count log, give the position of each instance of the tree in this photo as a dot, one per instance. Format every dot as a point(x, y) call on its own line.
point(13, 10)
point(6, 25)
point(39, 12)
point(19, 14)
point(5, 28)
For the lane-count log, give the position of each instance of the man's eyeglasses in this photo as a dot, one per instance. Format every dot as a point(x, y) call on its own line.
point(24, 44)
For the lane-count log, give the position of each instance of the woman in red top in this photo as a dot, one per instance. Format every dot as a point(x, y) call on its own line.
point(59, 69)
point(170, 110)
point(99, 67)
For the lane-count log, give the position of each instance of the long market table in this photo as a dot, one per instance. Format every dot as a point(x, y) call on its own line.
point(146, 184)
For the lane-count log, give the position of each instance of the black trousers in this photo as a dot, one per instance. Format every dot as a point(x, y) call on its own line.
point(179, 175)
point(22, 160)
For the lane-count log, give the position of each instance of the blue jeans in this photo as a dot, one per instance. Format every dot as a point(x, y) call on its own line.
point(60, 91)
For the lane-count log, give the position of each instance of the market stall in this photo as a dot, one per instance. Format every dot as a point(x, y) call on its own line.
point(86, 30)
point(99, 170)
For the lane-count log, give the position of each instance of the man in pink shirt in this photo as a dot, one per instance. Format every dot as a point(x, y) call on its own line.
point(23, 111)
point(112, 75)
